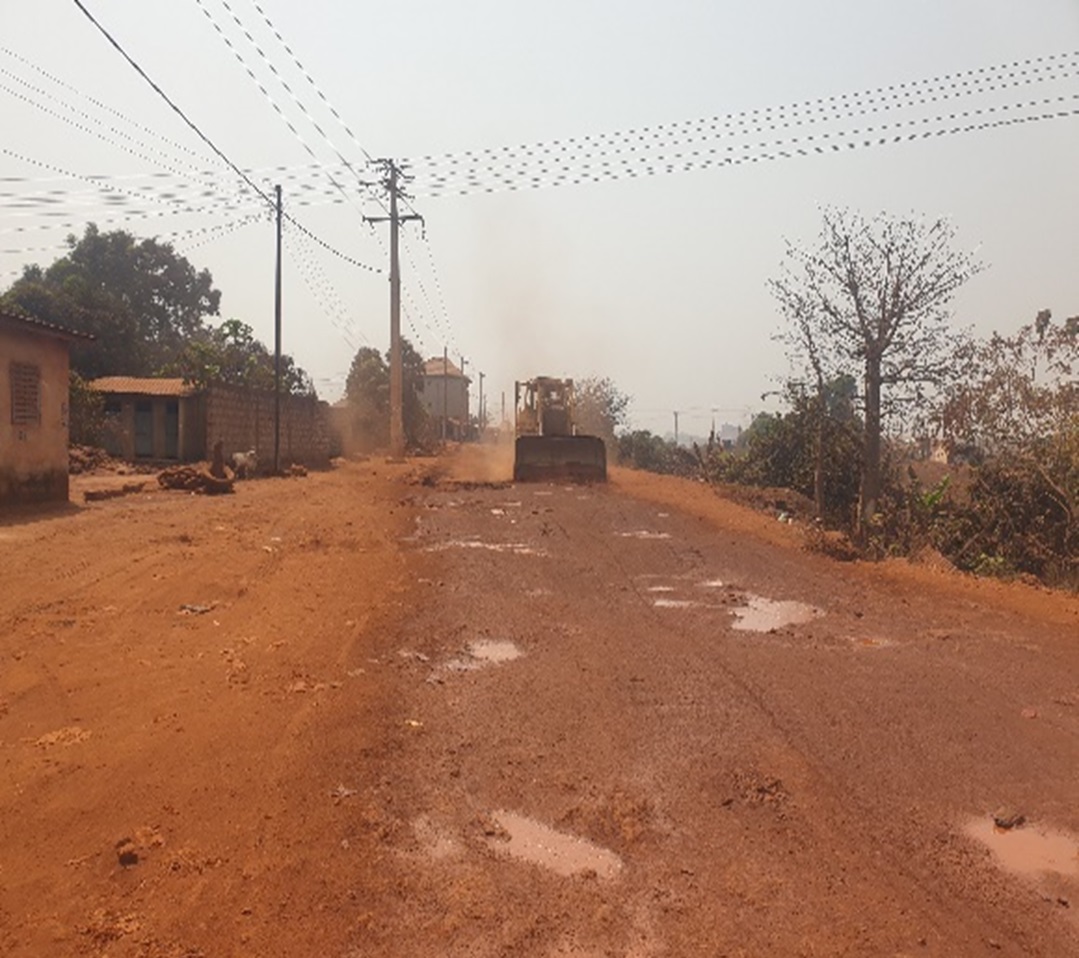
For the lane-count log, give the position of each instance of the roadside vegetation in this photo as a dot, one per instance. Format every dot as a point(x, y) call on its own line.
point(907, 435)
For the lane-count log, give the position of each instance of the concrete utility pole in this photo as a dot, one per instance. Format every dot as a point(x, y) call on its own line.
point(277, 345)
point(397, 425)
point(676, 427)
point(481, 416)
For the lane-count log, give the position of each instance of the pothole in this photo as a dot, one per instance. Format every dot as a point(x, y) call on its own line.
point(484, 652)
point(763, 615)
point(514, 548)
point(661, 588)
point(1029, 851)
point(673, 603)
point(528, 840)
point(494, 650)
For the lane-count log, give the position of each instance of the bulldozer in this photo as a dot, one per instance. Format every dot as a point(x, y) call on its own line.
point(548, 446)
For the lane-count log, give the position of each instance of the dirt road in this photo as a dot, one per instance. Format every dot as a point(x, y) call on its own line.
point(428, 716)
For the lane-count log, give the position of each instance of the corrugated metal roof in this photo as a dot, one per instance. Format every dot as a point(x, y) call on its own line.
point(435, 367)
point(26, 321)
point(136, 385)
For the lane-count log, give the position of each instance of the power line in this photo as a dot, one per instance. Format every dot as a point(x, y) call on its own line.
point(98, 103)
point(772, 117)
point(180, 113)
point(202, 136)
point(702, 159)
point(307, 76)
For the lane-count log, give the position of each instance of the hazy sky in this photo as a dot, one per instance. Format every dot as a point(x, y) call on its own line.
point(657, 281)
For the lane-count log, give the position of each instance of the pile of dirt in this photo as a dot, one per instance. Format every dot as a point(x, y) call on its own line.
point(195, 478)
point(82, 459)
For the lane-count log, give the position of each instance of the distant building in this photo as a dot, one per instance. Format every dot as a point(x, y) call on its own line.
point(445, 395)
point(34, 368)
point(148, 418)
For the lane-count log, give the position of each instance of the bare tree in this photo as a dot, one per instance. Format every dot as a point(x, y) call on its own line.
point(873, 297)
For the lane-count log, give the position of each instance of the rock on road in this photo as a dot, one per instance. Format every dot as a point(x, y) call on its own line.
point(630, 720)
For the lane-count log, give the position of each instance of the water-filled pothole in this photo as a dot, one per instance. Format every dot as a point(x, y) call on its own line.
point(1026, 850)
point(514, 548)
point(484, 652)
point(534, 842)
point(762, 615)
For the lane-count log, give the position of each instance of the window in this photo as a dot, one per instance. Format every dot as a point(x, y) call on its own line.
point(25, 394)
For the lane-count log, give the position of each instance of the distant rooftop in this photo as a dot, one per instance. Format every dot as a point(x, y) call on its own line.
point(135, 385)
point(26, 321)
point(442, 367)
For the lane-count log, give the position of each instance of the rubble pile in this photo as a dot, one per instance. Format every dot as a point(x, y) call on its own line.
point(195, 478)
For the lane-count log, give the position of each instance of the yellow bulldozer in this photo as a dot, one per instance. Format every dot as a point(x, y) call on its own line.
point(548, 446)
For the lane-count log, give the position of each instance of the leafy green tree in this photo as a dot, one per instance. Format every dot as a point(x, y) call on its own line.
point(601, 408)
point(367, 391)
point(230, 355)
point(872, 300)
point(140, 300)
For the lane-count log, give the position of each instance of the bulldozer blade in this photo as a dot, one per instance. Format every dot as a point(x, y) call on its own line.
point(554, 458)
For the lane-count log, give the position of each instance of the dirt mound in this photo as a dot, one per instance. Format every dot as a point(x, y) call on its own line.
point(195, 478)
point(81, 459)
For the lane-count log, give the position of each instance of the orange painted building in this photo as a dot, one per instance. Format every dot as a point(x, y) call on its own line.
point(33, 410)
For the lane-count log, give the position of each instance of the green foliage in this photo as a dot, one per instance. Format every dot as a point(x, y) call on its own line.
point(367, 391)
point(138, 298)
point(1015, 401)
point(86, 412)
point(230, 355)
point(779, 450)
point(601, 408)
point(641, 449)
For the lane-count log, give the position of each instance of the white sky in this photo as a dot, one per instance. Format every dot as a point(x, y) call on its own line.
point(658, 282)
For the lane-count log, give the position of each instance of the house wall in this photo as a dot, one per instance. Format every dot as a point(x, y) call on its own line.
point(119, 432)
point(244, 419)
point(33, 456)
point(455, 390)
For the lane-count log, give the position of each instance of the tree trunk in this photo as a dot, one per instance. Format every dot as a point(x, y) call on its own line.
point(818, 458)
point(869, 493)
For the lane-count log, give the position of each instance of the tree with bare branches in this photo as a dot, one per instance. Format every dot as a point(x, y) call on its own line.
point(873, 299)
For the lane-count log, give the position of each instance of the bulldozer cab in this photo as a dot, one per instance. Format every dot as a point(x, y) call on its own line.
point(544, 407)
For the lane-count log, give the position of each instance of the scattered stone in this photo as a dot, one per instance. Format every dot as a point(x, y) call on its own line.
point(1029, 713)
point(1008, 817)
point(126, 853)
point(190, 609)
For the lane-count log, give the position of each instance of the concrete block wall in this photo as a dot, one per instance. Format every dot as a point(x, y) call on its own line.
point(244, 419)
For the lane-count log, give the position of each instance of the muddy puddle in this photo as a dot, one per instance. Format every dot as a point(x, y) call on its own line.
point(643, 534)
point(513, 548)
point(1028, 850)
point(531, 841)
point(484, 652)
point(673, 603)
point(762, 615)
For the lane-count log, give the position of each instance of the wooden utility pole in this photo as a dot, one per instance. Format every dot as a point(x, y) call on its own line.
point(397, 421)
point(464, 362)
point(277, 346)
point(445, 388)
point(480, 413)
point(676, 427)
